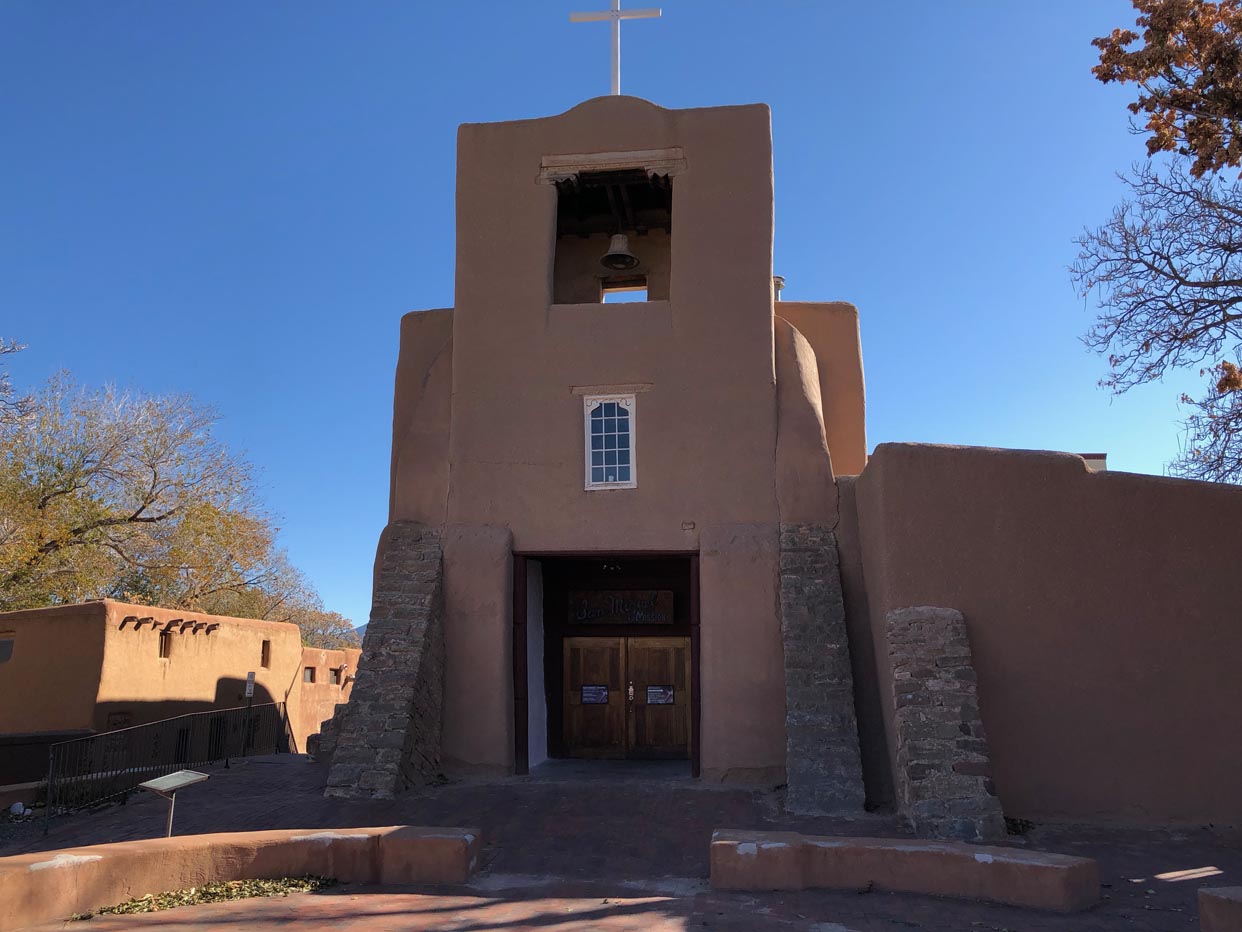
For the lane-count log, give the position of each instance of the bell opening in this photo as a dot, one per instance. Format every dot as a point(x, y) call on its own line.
point(603, 218)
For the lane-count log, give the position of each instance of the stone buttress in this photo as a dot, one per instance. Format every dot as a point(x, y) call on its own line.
point(387, 738)
point(943, 769)
point(823, 765)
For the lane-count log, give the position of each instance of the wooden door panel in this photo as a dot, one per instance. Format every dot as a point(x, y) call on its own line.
point(594, 697)
point(659, 716)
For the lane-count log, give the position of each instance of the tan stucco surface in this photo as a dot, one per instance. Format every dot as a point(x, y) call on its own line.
point(832, 329)
point(49, 886)
point(478, 669)
point(312, 704)
point(1102, 610)
point(748, 860)
point(705, 355)
point(741, 656)
point(804, 484)
point(85, 667)
point(489, 443)
point(51, 681)
point(872, 743)
point(420, 419)
point(203, 671)
point(488, 433)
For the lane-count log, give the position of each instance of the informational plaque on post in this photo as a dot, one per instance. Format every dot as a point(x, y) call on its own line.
point(628, 607)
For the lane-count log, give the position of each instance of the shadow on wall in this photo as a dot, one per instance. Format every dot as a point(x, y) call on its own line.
point(24, 757)
point(230, 694)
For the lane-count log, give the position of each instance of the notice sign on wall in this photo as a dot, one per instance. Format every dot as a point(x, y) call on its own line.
point(659, 695)
point(595, 695)
point(629, 607)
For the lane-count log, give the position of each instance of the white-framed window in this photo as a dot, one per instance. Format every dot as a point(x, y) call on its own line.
point(608, 424)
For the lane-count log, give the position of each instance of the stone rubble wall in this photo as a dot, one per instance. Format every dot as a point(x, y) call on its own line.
point(822, 763)
point(387, 738)
point(322, 746)
point(943, 772)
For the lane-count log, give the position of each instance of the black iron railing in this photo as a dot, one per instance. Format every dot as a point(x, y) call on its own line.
point(84, 771)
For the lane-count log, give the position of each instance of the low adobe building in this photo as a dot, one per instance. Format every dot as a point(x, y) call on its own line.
point(78, 669)
point(651, 529)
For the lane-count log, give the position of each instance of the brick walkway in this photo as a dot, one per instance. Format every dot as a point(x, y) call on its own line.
point(560, 845)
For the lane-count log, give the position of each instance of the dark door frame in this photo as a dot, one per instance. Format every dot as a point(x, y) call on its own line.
point(521, 699)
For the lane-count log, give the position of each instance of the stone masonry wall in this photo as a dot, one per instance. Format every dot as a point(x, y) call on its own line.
point(822, 762)
point(322, 746)
point(943, 773)
point(387, 737)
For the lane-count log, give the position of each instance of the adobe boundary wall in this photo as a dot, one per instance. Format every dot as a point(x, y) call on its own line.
point(1220, 909)
point(47, 886)
point(761, 861)
point(1102, 611)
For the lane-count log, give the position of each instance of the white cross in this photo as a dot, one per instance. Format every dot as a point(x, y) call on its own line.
point(615, 15)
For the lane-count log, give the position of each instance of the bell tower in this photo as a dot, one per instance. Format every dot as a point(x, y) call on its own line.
point(557, 219)
point(613, 421)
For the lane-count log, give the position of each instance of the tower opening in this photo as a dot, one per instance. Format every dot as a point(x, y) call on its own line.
point(592, 208)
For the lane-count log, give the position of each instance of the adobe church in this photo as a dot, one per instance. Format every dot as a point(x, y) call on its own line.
point(649, 528)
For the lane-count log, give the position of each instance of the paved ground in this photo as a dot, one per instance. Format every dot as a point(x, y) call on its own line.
point(612, 848)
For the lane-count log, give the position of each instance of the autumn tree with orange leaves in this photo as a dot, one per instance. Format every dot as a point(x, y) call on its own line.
point(1167, 266)
point(113, 494)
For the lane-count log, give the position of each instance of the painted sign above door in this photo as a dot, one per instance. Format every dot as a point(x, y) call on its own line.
point(627, 607)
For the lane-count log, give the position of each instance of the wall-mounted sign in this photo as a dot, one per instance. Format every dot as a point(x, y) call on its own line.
point(595, 695)
point(659, 695)
point(627, 607)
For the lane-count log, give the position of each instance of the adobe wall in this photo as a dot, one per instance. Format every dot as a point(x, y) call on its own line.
point(488, 435)
point(872, 743)
point(805, 491)
point(742, 682)
point(822, 766)
point(312, 704)
point(478, 650)
point(1102, 613)
point(500, 465)
point(204, 670)
point(832, 330)
point(83, 667)
point(50, 682)
point(420, 419)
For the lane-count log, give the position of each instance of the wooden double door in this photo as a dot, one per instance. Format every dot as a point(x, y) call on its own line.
point(626, 697)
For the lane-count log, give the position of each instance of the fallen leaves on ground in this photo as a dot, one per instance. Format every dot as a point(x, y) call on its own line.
point(216, 891)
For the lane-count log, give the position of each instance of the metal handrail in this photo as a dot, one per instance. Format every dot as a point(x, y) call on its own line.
point(84, 771)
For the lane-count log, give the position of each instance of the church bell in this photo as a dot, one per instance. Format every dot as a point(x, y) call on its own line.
point(618, 257)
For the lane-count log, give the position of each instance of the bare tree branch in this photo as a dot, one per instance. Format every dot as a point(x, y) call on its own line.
point(12, 407)
point(1167, 270)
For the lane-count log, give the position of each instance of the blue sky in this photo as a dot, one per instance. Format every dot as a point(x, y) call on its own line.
point(239, 200)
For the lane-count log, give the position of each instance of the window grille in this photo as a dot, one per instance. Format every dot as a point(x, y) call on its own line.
point(609, 425)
